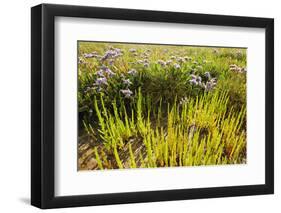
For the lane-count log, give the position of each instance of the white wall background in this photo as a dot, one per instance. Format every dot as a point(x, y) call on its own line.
point(15, 105)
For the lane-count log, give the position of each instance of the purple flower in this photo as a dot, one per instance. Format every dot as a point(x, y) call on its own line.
point(91, 55)
point(193, 76)
point(235, 68)
point(126, 92)
point(132, 72)
point(101, 81)
point(145, 54)
point(109, 72)
point(111, 61)
point(161, 62)
point(100, 73)
point(213, 80)
point(127, 82)
point(193, 82)
point(106, 56)
point(168, 62)
point(209, 86)
point(180, 59)
point(208, 75)
point(145, 64)
point(112, 53)
point(177, 66)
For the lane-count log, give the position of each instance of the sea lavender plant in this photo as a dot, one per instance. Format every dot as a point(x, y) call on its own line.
point(145, 64)
point(127, 82)
point(193, 81)
point(109, 72)
point(91, 55)
point(162, 63)
point(177, 66)
point(208, 75)
point(101, 81)
point(180, 59)
point(126, 92)
point(235, 68)
point(100, 73)
point(168, 62)
point(132, 72)
point(193, 76)
point(111, 53)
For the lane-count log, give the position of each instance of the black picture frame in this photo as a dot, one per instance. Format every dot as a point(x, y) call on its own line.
point(43, 117)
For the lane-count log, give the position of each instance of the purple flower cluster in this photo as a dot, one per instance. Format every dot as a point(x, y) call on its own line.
point(210, 85)
point(208, 75)
point(195, 80)
point(169, 62)
point(144, 62)
point(207, 86)
point(127, 82)
point(91, 55)
point(105, 71)
point(145, 54)
point(180, 60)
point(103, 75)
point(132, 72)
point(126, 92)
point(112, 53)
point(109, 72)
point(106, 76)
point(177, 66)
point(162, 63)
point(100, 81)
point(235, 68)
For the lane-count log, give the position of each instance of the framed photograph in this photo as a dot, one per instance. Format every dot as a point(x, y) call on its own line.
point(139, 106)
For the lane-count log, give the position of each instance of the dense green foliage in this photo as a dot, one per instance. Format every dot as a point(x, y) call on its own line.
point(159, 106)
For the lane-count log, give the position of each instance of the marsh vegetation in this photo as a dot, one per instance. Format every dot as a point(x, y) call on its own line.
point(143, 106)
